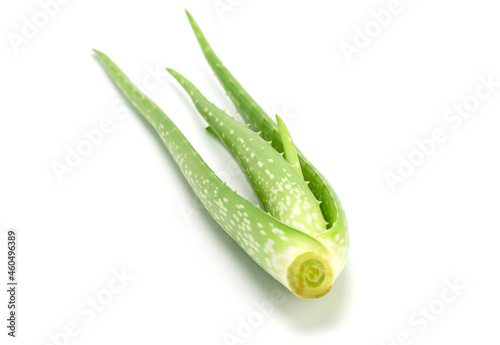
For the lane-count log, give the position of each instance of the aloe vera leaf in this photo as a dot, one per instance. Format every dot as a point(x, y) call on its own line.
point(281, 189)
point(289, 147)
point(336, 236)
point(298, 261)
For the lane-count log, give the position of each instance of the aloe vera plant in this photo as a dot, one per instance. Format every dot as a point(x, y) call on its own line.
point(301, 237)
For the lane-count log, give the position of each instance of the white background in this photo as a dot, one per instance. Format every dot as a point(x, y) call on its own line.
point(126, 205)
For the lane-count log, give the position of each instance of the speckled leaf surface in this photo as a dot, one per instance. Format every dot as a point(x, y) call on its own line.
point(301, 237)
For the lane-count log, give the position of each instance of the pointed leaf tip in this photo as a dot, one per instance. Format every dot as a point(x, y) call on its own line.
point(190, 18)
point(290, 150)
point(98, 53)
